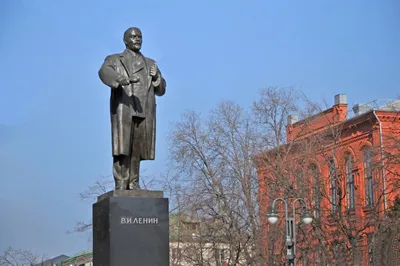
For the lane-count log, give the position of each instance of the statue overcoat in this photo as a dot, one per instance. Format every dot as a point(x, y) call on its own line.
point(134, 101)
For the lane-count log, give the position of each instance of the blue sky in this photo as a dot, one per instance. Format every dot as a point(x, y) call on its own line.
point(54, 112)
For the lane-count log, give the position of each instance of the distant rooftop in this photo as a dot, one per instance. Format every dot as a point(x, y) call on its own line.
point(387, 105)
point(76, 256)
point(53, 261)
point(339, 113)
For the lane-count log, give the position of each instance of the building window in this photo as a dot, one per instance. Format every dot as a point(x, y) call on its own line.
point(317, 190)
point(340, 254)
point(302, 187)
point(319, 260)
point(369, 190)
point(221, 256)
point(176, 256)
point(333, 185)
point(350, 182)
point(370, 248)
point(191, 227)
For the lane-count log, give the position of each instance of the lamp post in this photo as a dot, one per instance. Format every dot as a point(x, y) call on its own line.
point(290, 240)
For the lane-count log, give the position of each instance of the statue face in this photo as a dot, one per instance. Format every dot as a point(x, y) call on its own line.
point(133, 40)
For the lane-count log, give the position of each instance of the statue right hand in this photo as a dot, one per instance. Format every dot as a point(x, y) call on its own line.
point(123, 81)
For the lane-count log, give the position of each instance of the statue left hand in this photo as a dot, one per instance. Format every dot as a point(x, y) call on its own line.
point(154, 72)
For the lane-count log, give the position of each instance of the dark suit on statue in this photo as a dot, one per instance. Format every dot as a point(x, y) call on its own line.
point(133, 113)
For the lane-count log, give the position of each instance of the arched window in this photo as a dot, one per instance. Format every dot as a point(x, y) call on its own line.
point(340, 254)
point(333, 185)
point(350, 182)
point(369, 189)
point(317, 189)
point(302, 186)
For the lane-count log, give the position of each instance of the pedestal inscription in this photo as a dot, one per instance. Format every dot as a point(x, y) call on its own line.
point(131, 231)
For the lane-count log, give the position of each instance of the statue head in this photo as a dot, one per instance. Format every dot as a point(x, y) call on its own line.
point(133, 39)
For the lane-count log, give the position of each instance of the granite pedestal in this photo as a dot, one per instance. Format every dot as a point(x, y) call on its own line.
point(131, 228)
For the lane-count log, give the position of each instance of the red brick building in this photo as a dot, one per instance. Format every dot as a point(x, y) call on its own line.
point(345, 164)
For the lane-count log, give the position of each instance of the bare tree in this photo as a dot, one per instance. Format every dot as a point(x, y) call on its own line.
point(216, 180)
point(280, 173)
point(19, 257)
point(216, 177)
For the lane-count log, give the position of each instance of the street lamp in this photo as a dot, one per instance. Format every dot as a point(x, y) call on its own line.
point(307, 218)
point(272, 218)
point(290, 240)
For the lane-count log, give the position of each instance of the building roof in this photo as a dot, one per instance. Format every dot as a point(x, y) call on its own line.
point(51, 262)
point(376, 105)
point(391, 107)
point(78, 256)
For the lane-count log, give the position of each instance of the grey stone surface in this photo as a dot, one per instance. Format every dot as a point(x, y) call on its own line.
point(140, 193)
point(129, 231)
